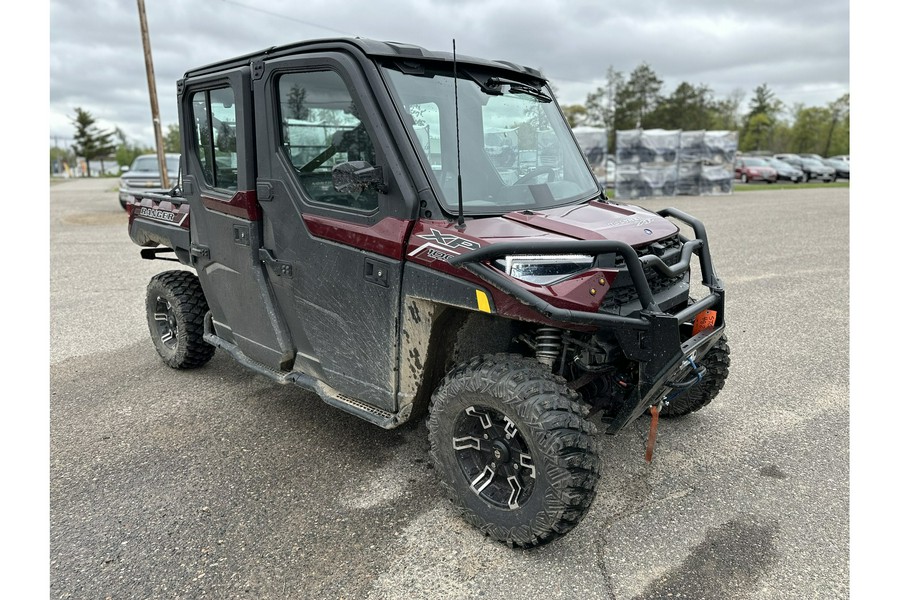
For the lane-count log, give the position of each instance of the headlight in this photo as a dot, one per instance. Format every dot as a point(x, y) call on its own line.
point(544, 269)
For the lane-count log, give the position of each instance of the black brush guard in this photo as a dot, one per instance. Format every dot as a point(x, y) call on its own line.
point(653, 337)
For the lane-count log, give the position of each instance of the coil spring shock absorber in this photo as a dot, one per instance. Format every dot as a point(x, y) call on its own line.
point(548, 343)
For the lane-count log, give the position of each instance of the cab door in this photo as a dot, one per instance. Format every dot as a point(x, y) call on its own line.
point(334, 258)
point(219, 184)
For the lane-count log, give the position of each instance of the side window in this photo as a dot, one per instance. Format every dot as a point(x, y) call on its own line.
point(321, 128)
point(215, 134)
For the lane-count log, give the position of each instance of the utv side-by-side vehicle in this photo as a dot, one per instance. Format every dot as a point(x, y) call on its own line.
point(356, 232)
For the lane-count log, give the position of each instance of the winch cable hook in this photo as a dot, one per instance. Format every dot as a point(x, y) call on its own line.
point(654, 410)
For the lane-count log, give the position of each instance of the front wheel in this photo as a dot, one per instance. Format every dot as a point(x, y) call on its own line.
point(514, 450)
point(176, 308)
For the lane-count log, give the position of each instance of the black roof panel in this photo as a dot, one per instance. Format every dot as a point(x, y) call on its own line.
point(372, 48)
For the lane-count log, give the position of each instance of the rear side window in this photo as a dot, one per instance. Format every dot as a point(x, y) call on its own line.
point(321, 128)
point(215, 137)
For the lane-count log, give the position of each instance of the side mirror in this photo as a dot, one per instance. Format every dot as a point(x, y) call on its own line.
point(124, 169)
point(356, 176)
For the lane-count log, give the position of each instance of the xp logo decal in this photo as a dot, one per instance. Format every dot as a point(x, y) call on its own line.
point(444, 246)
point(448, 240)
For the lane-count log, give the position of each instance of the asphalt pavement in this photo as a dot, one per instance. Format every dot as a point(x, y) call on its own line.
point(219, 483)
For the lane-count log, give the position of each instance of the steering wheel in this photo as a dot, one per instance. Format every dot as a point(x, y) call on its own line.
point(545, 170)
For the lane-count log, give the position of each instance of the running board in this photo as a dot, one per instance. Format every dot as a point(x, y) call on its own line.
point(282, 377)
point(372, 414)
point(358, 408)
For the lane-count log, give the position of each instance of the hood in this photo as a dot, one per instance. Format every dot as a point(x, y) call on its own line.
point(632, 225)
point(599, 221)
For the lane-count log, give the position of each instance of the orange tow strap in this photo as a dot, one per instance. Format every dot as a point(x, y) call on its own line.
point(651, 439)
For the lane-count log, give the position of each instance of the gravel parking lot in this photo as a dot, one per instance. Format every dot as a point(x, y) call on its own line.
point(218, 483)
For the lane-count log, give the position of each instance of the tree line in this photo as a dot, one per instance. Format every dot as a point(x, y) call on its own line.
point(93, 143)
point(638, 101)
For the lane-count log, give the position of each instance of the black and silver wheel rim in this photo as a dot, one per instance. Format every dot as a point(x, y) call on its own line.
point(166, 324)
point(494, 457)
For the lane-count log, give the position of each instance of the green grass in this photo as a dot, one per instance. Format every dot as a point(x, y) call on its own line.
point(761, 187)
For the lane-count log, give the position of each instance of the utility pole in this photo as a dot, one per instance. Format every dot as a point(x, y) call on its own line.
point(154, 104)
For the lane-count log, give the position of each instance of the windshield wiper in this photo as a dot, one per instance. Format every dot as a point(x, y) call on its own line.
point(517, 87)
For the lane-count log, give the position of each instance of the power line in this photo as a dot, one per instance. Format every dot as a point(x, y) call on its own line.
point(281, 16)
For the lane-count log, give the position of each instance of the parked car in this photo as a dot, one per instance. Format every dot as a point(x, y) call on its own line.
point(841, 168)
point(751, 168)
point(785, 171)
point(816, 169)
point(143, 176)
point(842, 157)
point(812, 168)
point(791, 159)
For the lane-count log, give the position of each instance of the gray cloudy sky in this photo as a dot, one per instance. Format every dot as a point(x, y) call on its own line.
point(799, 48)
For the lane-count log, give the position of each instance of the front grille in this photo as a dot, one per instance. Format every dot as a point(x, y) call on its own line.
point(142, 183)
point(622, 291)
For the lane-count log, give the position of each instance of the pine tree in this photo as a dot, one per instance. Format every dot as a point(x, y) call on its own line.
point(90, 141)
point(172, 140)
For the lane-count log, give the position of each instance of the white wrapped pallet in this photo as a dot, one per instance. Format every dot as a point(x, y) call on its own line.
point(594, 142)
point(660, 146)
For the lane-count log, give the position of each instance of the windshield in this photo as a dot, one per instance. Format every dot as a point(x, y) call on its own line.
point(516, 150)
point(754, 162)
point(150, 164)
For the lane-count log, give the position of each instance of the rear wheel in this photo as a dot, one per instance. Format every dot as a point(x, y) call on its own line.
point(744, 178)
point(699, 395)
point(176, 308)
point(514, 450)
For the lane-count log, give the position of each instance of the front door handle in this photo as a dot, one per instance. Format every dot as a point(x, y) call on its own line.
point(376, 272)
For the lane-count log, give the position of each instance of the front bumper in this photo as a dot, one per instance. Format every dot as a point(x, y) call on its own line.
point(792, 177)
point(651, 336)
point(761, 177)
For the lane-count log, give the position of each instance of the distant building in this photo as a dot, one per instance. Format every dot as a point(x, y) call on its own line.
point(106, 166)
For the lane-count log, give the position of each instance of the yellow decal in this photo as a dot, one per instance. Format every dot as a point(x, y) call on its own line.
point(483, 304)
